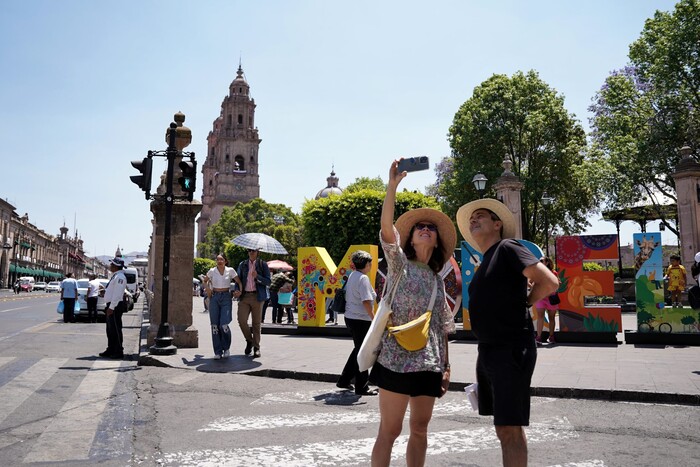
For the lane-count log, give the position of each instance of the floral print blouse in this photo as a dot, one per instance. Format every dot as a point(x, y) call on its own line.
point(411, 300)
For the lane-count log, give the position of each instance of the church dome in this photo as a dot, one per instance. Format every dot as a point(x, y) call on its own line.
point(332, 187)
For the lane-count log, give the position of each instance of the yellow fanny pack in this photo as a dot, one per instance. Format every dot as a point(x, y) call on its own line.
point(413, 335)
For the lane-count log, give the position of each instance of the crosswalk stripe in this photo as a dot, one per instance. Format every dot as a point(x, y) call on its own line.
point(264, 422)
point(15, 392)
point(5, 360)
point(70, 434)
point(586, 463)
point(359, 451)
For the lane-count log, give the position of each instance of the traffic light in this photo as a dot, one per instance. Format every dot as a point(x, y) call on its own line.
point(144, 180)
point(188, 181)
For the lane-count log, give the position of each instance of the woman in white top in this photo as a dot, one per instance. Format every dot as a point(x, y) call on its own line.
point(219, 281)
point(359, 311)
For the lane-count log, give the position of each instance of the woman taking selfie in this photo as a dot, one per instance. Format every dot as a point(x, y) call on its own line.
point(415, 248)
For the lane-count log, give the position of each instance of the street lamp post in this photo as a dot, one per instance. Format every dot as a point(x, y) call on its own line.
point(163, 341)
point(546, 201)
point(479, 182)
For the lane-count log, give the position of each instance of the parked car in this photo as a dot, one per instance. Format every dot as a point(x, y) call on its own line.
point(40, 286)
point(53, 286)
point(101, 304)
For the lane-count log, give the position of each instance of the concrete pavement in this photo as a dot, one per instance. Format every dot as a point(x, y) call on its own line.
point(622, 372)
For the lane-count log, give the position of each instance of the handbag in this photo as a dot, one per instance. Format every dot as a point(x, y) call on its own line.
point(413, 335)
point(369, 350)
point(554, 299)
point(59, 308)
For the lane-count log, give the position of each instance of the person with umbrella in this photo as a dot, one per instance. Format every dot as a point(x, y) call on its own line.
point(254, 278)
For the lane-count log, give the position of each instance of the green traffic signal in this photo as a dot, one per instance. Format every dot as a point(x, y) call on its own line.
point(188, 181)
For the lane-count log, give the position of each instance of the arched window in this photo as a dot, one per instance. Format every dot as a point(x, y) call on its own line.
point(228, 159)
point(240, 119)
point(240, 163)
point(212, 151)
point(230, 119)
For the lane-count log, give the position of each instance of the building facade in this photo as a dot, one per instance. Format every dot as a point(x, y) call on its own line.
point(230, 170)
point(29, 251)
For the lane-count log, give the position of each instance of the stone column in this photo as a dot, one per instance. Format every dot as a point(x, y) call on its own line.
point(181, 272)
point(687, 179)
point(508, 187)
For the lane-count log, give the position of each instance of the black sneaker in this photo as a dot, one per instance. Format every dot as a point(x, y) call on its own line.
point(256, 354)
point(106, 353)
point(248, 347)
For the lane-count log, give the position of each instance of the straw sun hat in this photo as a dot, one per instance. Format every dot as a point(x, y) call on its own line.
point(465, 213)
point(446, 229)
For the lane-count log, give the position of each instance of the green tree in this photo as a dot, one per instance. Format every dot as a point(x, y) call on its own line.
point(523, 119)
point(352, 218)
point(646, 111)
point(276, 220)
point(202, 265)
point(363, 183)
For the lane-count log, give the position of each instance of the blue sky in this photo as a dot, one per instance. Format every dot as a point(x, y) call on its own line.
point(87, 86)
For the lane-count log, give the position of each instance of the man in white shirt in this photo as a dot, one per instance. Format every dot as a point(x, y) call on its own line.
point(93, 292)
point(114, 308)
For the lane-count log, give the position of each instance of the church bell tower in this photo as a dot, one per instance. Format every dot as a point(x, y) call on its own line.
point(231, 166)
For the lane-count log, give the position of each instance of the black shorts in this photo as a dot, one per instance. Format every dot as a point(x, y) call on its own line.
point(504, 373)
point(419, 383)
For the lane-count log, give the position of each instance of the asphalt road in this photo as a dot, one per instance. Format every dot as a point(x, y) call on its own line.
point(60, 404)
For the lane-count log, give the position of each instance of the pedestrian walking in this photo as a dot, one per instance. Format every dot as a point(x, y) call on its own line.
point(359, 311)
point(278, 281)
point(93, 293)
point(498, 311)
point(254, 279)
point(220, 292)
point(115, 307)
point(69, 294)
point(550, 305)
point(416, 248)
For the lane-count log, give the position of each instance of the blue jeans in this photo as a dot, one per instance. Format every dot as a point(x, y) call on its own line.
point(220, 316)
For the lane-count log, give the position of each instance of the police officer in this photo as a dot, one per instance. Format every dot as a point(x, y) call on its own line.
point(114, 308)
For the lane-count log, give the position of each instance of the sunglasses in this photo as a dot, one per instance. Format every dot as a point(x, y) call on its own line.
point(421, 226)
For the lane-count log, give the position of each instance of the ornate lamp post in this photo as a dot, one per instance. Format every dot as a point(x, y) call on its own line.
point(546, 201)
point(479, 182)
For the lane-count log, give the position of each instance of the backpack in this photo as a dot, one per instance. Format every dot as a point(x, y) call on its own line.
point(338, 304)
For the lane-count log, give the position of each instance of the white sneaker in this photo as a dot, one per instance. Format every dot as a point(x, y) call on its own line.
point(217, 357)
point(226, 354)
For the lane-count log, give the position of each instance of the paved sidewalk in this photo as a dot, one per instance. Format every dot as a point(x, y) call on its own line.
point(643, 373)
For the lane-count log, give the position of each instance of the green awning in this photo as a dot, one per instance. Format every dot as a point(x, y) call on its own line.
point(25, 245)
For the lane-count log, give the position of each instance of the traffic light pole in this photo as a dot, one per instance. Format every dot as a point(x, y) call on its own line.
point(164, 342)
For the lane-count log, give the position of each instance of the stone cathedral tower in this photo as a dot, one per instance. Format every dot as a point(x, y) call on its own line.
point(231, 166)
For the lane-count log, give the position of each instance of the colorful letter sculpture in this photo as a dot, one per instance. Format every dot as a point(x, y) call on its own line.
point(319, 278)
point(575, 315)
point(652, 315)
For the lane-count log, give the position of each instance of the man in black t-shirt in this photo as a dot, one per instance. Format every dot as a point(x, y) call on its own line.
point(498, 303)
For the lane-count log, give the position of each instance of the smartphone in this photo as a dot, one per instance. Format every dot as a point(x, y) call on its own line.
point(412, 164)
